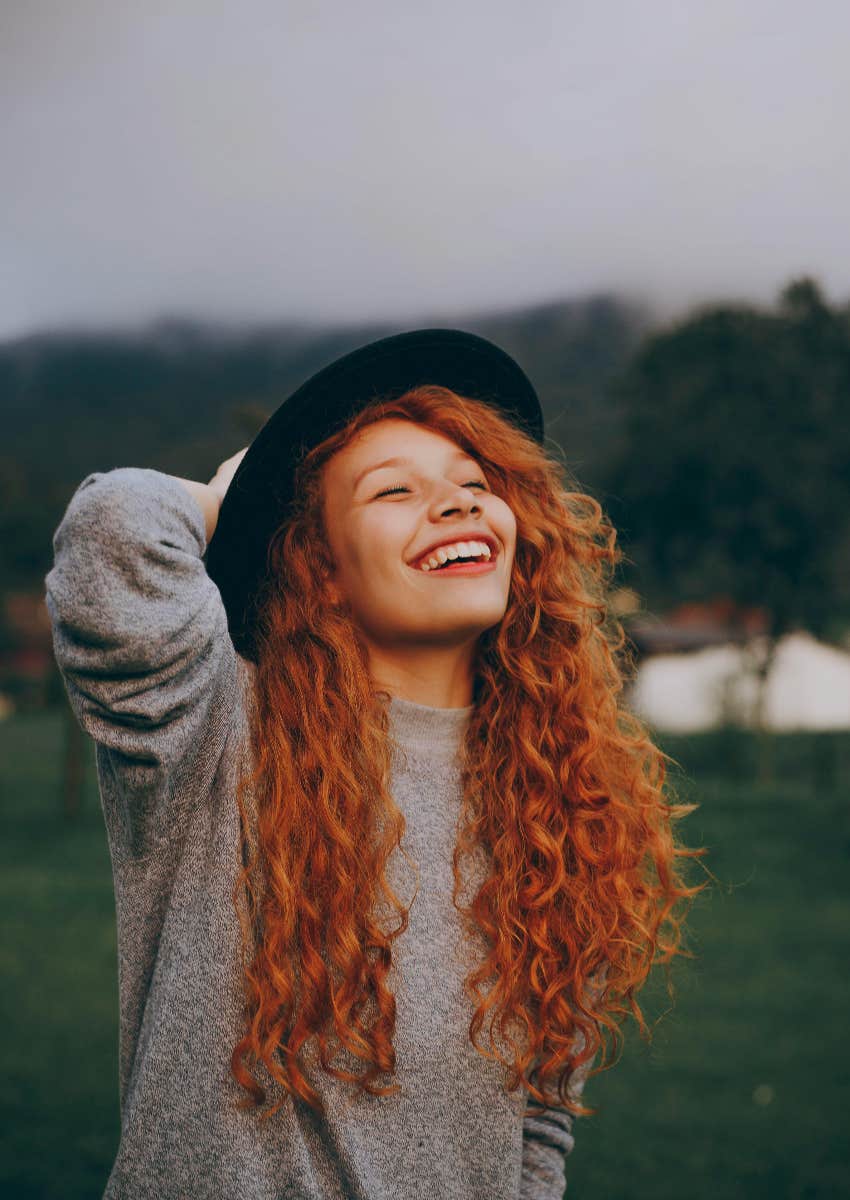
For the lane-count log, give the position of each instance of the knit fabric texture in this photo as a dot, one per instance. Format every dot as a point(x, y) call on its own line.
point(140, 635)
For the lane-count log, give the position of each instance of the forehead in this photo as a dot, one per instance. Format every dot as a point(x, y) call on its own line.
point(393, 438)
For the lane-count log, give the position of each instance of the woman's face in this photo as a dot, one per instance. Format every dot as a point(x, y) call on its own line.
point(377, 537)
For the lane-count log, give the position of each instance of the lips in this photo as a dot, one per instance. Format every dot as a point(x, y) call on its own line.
point(467, 568)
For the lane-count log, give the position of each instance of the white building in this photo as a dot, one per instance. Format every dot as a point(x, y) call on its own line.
point(808, 687)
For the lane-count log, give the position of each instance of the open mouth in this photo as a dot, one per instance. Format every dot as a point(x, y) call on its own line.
point(481, 549)
point(462, 566)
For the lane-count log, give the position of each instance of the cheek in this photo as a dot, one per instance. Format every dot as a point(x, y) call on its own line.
point(372, 563)
point(503, 522)
point(381, 543)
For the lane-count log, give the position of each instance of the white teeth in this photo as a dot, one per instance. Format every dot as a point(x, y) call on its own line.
point(457, 550)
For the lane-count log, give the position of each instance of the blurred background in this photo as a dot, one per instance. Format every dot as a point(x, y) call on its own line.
point(646, 204)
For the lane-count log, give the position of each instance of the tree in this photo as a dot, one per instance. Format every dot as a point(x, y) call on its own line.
point(736, 474)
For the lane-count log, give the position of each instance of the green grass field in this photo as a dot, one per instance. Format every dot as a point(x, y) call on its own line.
point(744, 1091)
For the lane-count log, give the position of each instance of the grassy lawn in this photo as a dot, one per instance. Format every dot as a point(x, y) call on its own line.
point(743, 1091)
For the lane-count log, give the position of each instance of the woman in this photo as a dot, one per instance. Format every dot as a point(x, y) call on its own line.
point(364, 806)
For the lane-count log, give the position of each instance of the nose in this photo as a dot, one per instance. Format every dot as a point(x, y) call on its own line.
point(461, 499)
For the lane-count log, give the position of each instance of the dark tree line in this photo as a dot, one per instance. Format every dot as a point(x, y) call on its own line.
point(734, 472)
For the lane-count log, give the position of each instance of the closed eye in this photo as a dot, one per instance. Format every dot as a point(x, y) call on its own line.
point(402, 488)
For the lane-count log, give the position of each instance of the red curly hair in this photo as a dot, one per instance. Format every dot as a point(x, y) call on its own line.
point(562, 788)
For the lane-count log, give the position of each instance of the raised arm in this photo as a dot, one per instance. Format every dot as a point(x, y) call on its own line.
point(140, 635)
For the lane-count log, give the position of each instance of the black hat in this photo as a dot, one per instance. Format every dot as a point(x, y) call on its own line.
point(260, 493)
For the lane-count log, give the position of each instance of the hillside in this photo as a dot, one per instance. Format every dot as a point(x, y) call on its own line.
point(180, 396)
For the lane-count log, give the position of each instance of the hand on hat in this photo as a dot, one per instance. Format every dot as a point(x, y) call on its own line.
point(210, 495)
point(223, 477)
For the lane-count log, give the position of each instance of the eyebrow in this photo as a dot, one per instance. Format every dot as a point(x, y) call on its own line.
point(399, 462)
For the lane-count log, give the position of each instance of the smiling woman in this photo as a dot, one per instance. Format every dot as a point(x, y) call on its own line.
point(358, 810)
point(421, 643)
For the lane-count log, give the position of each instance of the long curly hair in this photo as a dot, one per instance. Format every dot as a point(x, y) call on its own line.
point(563, 790)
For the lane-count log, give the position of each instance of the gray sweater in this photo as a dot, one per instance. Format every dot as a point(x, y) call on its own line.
point(140, 635)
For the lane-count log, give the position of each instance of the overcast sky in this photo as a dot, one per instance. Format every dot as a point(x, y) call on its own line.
point(279, 158)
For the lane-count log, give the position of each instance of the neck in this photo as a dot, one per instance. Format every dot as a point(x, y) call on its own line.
point(433, 676)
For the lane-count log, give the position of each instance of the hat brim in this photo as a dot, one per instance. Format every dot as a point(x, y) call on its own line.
point(260, 492)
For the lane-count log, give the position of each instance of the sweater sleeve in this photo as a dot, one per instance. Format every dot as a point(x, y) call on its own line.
point(140, 636)
point(548, 1138)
